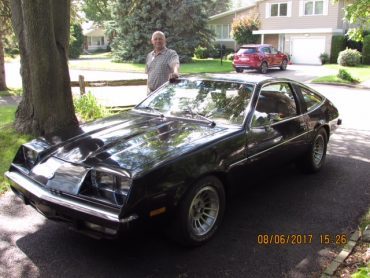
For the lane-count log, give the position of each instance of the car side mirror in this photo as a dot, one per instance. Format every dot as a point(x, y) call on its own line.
point(273, 117)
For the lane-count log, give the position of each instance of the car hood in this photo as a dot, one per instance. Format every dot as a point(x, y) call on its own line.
point(137, 141)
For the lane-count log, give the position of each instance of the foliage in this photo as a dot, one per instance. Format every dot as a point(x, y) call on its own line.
point(242, 29)
point(362, 272)
point(357, 13)
point(88, 108)
point(366, 50)
point(349, 57)
point(76, 40)
point(219, 7)
point(324, 58)
point(183, 22)
point(230, 56)
point(338, 43)
point(345, 75)
point(213, 51)
point(98, 11)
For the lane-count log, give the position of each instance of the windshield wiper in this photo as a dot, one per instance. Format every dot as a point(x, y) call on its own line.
point(200, 116)
point(156, 111)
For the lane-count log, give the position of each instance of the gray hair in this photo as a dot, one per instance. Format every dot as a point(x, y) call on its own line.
point(158, 33)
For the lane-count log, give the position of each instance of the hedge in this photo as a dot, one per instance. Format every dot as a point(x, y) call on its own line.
point(338, 43)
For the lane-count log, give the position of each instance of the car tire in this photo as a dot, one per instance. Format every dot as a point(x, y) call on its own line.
point(314, 159)
point(200, 213)
point(284, 64)
point(264, 67)
point(238, 70)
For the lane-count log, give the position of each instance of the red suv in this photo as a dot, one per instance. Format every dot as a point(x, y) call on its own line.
point(259, 56)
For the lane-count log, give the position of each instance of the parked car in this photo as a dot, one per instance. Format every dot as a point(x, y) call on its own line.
point(260, 57)
point(172, 157)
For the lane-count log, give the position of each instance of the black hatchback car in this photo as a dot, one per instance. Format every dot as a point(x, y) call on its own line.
point(173, 155)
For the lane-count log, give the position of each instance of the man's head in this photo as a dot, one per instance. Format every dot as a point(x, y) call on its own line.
point(158, 40)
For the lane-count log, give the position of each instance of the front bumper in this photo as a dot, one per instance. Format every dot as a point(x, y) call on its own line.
point(84, 217)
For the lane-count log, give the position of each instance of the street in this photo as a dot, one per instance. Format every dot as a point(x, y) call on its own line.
point(283, 203)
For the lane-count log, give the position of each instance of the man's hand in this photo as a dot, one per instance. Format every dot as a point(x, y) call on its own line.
point(173, 76)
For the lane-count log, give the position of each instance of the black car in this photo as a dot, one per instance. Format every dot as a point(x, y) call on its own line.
point(174, 154)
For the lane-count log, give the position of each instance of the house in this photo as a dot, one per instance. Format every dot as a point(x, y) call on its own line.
point(301, 28)
point(94, 37)
point(221, 23)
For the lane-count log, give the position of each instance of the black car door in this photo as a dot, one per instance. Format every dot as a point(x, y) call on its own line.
point(277, 129)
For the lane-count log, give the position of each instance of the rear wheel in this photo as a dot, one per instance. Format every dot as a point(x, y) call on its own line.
point(238, 70)
point(314, 159)
point(263, 67)
point(284, 64)
point(200, 213)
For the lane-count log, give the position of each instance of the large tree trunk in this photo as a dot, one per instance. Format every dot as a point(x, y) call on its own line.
point(42, 29)
point(3, 86)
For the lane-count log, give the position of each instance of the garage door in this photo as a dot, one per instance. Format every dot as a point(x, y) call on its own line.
point(307, 50)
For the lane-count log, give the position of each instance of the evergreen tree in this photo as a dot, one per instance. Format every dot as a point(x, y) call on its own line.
point(184, 23)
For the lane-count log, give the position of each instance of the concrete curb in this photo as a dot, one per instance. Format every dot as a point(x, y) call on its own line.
point(339, 259)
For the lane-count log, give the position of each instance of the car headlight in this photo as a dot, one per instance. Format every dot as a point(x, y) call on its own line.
point(107, 185)
point(30, 155)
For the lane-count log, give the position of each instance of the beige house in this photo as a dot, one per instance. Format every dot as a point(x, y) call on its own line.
point(301, 28)
point(94, 37)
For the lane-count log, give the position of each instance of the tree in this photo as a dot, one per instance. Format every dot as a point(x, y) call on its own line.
point(98, 11)
point(183, 22)
point(357, 13)
point(42, 29)
point(5, 28)
point(76, 41)
point(242, 29)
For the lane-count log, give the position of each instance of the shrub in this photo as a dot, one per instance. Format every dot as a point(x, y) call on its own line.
point(230, 56)
point(324, 57)
point(76, 40)
point(338, 43)
point(345, 75)
point(201, 52)
point(88, 108)
point(349, 57)
point(366, 50)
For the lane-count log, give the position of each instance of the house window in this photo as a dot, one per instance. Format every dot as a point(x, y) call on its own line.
point(313, 7)
point(279, 9)
point(102, 40)
point(222, 31)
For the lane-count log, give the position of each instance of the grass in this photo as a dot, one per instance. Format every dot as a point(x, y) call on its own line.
point(9, 142)
point(96, 62)
point(361, 72)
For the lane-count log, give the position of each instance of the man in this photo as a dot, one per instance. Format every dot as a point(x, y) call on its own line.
point(162, 64)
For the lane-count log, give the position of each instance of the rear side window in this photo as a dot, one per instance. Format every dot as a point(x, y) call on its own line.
point(249, 50)
point(312, 99)
point(275, 103)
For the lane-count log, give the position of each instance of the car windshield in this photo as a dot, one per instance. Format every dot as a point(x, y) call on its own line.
point(212, 101)
point(248, 50)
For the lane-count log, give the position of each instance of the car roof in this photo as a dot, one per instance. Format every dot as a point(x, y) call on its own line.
point(237, 77)
point(254, 45)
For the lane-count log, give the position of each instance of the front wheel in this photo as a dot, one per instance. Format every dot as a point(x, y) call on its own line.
point(238, 70)
point(314, 159)
point(200, 213)
point(264, 68)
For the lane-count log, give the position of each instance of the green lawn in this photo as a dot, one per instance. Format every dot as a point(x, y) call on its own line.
point(197, 66)
point(9, 142)
point(361, 72)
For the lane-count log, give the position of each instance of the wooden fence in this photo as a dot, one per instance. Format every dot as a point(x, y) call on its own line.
point(105, 83)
